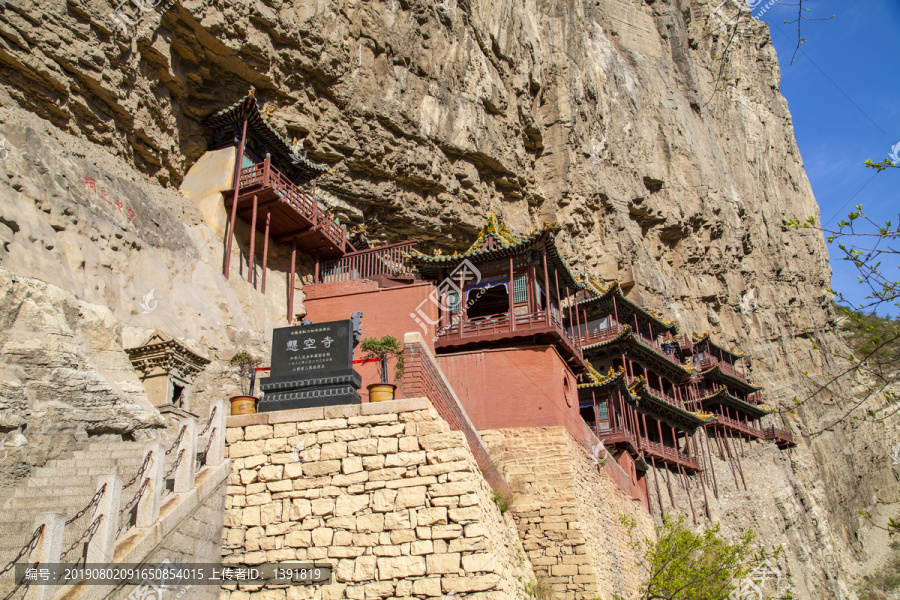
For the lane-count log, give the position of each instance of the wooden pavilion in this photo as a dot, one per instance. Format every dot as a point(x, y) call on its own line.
point(503, 290)
point(267, 191)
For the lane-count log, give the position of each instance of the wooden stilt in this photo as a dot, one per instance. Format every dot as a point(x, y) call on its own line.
point(737, 483)
point(266, 251)
point(687, 489)
point(290, 316)
point(740, 468)
point(239, 159)
point(669, 485)
point(512, 299)
point(712, 469)
point(251, 265)
point(662, 509)
point(703, 479)
point(317, 274)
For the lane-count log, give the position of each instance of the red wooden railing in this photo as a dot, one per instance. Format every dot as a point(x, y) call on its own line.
point(600, 335)
point(265, 175)
point(708, 361)
point(782, 435)
point(374, 262)
point(739, 425)
point(499, 323)
point(667, 453)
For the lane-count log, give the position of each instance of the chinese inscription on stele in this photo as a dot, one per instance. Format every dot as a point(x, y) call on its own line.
point(311, 366)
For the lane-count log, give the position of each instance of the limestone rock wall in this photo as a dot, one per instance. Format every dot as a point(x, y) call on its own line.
point(568, 513)
point(385, 493)
point(605, 116)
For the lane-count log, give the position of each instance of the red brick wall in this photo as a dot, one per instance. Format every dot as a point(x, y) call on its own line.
point(385, 311)
point(514, 387)
point(422, 377)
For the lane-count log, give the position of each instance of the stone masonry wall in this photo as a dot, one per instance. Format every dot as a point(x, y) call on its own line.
point(384, 492)
point(567, 510)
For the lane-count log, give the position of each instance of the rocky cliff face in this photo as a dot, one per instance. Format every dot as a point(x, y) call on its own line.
point(607, 116)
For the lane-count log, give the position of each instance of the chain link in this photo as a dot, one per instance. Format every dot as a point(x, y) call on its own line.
point(209, 422)
point(93, 501)
point(24, 582)
point(25, 549)
point(131, 503)
point(140, 471)
point(175, 466)
point(208, 445)
point(88, 533)
point(177, 440)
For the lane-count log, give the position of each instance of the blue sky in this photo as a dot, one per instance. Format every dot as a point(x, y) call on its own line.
point(843, 91)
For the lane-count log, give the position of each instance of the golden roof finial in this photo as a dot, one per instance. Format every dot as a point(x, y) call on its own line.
point(252, 91)
point(438, 252)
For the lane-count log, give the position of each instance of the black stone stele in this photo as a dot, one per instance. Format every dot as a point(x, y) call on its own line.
point(311, 366)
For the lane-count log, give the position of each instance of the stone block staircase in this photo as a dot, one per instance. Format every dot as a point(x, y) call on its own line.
point(73, 487)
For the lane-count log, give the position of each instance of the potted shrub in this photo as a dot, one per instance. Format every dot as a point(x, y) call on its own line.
point(244, 364)
point(383, 349)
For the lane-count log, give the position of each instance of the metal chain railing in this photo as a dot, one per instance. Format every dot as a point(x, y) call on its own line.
point(140, 471)
point(175, 466)
point(93, 501)
point(88, 533)
point(209, 422)
point(208, 445)
point(177, 440)
point(25, 549)
point(131, 503)
point(24, 582)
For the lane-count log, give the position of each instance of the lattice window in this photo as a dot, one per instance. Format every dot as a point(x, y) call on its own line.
point(520, 289)
point(602, 411)
point(453, 295)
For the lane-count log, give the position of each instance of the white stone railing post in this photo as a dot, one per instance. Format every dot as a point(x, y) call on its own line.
point(47, 552)
point(103, 543)
point(150, 500)
point(215, 456)
point(186, 454)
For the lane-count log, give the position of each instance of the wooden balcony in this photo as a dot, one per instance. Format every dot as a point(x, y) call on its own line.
point(295, 216)
point(600, 335)
point(494, 329)
point(671, 456)
point(734, 425)
point(385, 261)
point(709, 361)
point(617, 435)
point(782, 437)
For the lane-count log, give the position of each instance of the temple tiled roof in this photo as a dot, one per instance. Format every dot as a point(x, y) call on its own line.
point(665, 410)
point(626, 337)
point(495, 242)
point(716, 371)
point(699, 338)
point(288, 155)
point(596, 293)
point(598, 381)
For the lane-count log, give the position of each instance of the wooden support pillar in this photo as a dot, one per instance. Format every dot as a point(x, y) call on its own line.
point(512, 300)
point(687, 490)
point(737, 484)
point(266, 251)
point(558, 299)
point(546, 286)
point(317, 274)
point(462, 301)
point(712, 468)
point(737, 460)
point(699, 455)
point(290, 315)
point(238, 160)
point(662, 509)
point(251, 265)
point(669, 485)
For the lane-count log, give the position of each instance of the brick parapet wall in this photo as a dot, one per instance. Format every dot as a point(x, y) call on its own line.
point(385, 492)
point(423, 377)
